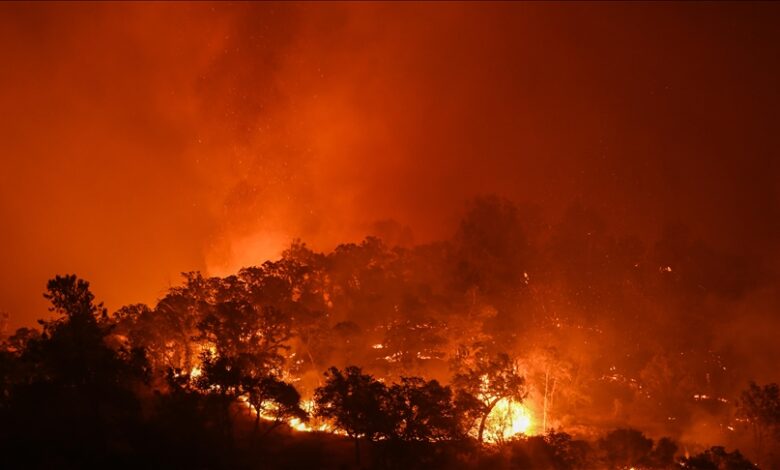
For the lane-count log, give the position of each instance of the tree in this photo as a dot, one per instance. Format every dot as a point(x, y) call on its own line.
point(356, 403)
point(228, 378)
point(424, 411)
point(277, 399)
point(413, 342)
point(483, 380)
point(71, 297)
point(716, 458)
point(167, 331)
point(624, 448)
point(668, 381)
point(492, 249)
point(548, 373)
point(553, 451)
point(760, 407)
point(72, 391)
point(72, 348)
point(662, 455)
point(570, 452)
point(138, 326)
point(255, 334)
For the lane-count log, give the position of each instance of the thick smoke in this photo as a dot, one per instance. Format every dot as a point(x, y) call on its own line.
point(144, 140)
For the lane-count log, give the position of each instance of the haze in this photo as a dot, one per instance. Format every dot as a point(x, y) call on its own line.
point(142, 140)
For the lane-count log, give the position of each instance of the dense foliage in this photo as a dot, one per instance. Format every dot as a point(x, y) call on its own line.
point(405, 349)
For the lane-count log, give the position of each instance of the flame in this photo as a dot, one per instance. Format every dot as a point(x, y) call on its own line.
point(299, 425)
point(507, 419)
point(313, 425)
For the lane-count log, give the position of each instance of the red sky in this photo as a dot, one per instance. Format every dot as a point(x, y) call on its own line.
point(141, 140)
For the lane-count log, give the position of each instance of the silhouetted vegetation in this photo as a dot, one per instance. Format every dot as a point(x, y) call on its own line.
point(390, 357)
point(716, 458)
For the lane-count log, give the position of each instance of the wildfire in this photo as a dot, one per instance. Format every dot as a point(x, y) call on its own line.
point(312, 425)
point(507, 419)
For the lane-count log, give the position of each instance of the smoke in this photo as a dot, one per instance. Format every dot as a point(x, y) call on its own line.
point(144, 140)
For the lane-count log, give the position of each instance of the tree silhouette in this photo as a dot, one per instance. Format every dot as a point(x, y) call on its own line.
point(356, 403)
point(279, 400)
point(223, 352)
point(221, 377)
point(492, 248)
point(255, 334)
point(662, 455)
point(625, 448)
point(716, 458)
point(71, 385)
point(484, 379)
point(554, 451)
point(424, 411)
point(760, 407)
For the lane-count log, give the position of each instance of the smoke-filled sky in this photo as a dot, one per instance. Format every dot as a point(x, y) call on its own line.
point(141, 140)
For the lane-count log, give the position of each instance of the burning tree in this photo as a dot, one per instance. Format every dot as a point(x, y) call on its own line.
point(244, 359)
point(277, 399)
point(483, 380)
point(258, 334)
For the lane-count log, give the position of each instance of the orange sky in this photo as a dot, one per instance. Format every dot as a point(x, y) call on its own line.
point(142, 140)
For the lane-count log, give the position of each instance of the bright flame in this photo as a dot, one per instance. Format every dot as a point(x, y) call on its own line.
point(508, 418)
point(313, 424)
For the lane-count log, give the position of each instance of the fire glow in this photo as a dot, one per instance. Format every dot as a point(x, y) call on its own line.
point(508, 419)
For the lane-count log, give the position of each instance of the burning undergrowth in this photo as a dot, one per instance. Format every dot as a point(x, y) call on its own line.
point(507, 331)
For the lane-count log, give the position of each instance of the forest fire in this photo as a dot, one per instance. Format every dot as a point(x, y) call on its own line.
point(287, 344)
point(508, 419)
point(412, 235)
point(269, 414)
